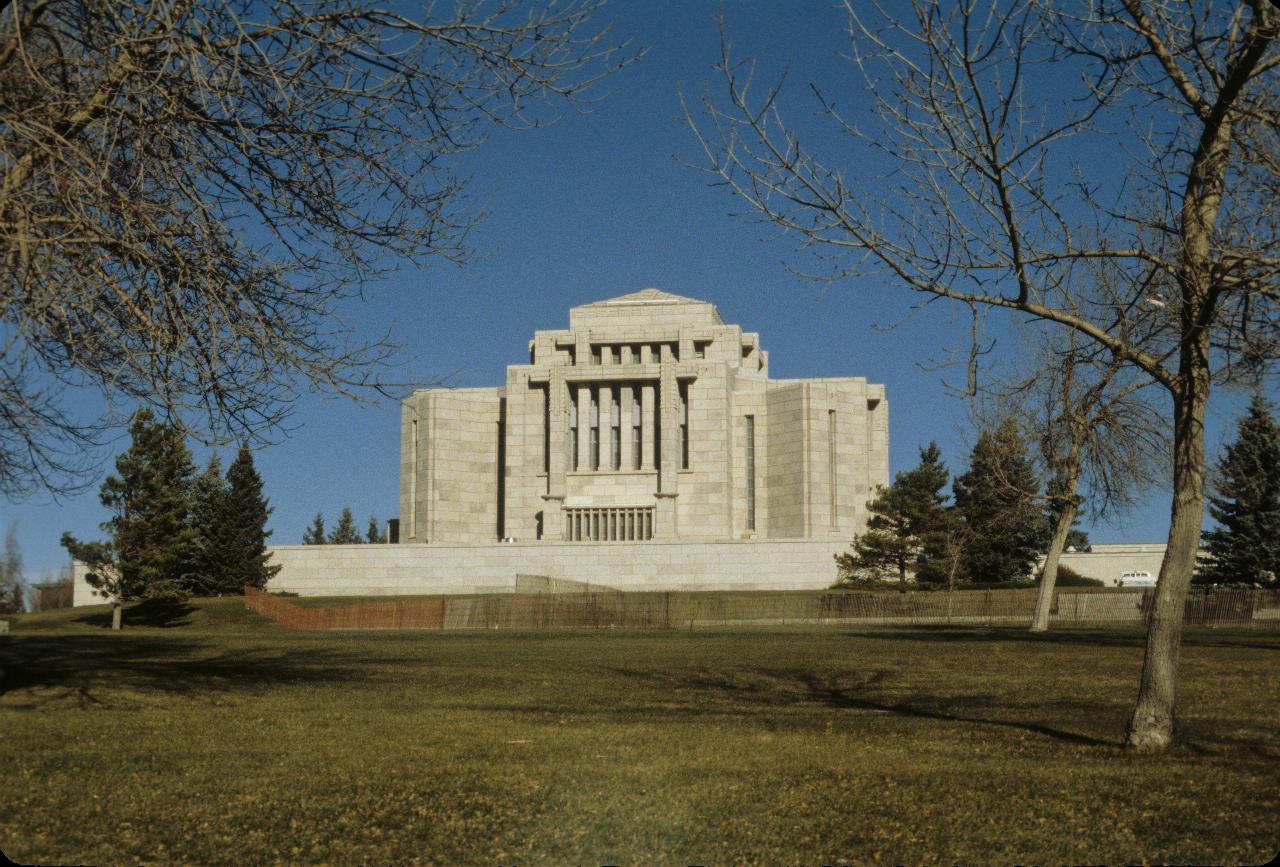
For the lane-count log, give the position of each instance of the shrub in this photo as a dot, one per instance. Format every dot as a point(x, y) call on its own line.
point(1068, 577)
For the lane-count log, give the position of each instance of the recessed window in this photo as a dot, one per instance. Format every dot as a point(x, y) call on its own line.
point(684, 425)
point(751, 472)
point(700, 348)
point(637, 437)
point(593, 459)
point(615, 431)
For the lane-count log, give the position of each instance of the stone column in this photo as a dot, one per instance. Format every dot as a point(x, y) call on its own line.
point(686, 345)
point(646, 354)
point(558, 406)
point(604, 401)
point(668, 394)
point(584, 426)
point(625, 403)
point(646, 426)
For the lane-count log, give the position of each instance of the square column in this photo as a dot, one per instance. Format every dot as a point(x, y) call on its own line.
point(647, 426)
point(558, 432)
point(625, 404)
point(669, 396)
point(584, 427)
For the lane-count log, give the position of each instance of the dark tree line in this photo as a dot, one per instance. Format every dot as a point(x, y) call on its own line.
point(345, 533)
point(996, 527)
point(172, 533)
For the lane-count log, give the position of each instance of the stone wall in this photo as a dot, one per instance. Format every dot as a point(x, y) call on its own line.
point(372, 570)
point(1107, 562)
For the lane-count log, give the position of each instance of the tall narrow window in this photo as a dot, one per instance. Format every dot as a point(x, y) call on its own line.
point(546, 430)
point(593, 460)
point(684, 425)
point(657, 427)
point(595, 353)
point(573, 435)
point(637, 436)
point(831, 461)
point(751, 472)
point(615, 429)
point(413, 482)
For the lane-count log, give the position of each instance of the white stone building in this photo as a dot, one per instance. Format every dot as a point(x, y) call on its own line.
point(649, 418)
point(643, 448)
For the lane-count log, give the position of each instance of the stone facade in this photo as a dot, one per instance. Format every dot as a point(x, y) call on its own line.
point(647, 419)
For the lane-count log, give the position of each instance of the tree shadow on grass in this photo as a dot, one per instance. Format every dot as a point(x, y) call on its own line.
point(155, 613)
point(781, 688)
point(103, 669)
point(1129, 636)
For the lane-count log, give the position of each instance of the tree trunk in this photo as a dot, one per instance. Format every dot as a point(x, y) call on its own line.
point(1049, 575)
point(117, 615)
point(1152, 724)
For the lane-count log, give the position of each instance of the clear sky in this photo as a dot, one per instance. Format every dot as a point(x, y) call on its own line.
point(598, 205)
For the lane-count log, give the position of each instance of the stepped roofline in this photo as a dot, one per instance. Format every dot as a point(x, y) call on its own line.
point(647, 299)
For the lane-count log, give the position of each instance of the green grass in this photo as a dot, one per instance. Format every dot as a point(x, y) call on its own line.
point(206, 735)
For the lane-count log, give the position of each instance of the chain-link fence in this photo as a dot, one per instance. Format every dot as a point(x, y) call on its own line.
point(1252, 608)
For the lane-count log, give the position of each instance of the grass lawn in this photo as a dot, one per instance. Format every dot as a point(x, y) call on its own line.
point(208, 735)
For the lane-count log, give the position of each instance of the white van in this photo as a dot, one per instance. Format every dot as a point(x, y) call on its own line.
point(1136, 579)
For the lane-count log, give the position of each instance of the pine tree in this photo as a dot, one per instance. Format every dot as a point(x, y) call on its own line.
point(11, 584)
point(374, 536)
point(996, 501)
point(247, 513)
point(214, 535)
point(345, 533)
point(151, 553)
point(314, 535)
point(1245, 503)
point(904, 517)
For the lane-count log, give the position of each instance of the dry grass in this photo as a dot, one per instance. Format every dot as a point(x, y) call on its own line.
point(205, 735)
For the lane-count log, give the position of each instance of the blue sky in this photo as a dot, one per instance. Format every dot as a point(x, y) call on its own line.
point(597, 205)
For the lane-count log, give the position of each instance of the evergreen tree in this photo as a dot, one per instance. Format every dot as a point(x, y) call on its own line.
point(11, 584)
point(214, 535)
point(314, 535)
point(996, 502)
point(374, 536)
point(904, 518)
point(1245, 503)
point(151, 553)
point(247, 513)
point(345, 533)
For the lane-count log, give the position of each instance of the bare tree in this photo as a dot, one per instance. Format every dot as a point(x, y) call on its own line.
point(190, 188)
point(1100, 440)
point(983, 111)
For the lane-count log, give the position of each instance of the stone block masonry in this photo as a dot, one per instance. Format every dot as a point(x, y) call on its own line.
point(402, 570)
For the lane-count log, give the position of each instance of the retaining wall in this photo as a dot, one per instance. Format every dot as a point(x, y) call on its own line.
point(386, 570)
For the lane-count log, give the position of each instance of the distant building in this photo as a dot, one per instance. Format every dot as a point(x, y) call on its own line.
point(649, 418)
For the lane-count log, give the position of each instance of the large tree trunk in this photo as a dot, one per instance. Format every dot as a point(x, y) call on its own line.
point(117, 614)
point(1049, 575)
point(1152, 724)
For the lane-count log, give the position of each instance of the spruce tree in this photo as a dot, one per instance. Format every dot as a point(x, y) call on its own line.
point(151, 553)
point(345, 533)
point(904, 517)
point(996, 501)
point(314, 535)
point(247, 512)
point(11, 584)
point(374, 536)
point(1245, 503)
point(214, 536)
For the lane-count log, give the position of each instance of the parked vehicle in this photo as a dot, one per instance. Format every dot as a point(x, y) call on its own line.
point(1136, 579)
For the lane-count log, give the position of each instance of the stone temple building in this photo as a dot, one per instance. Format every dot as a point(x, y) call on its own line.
point(647, 419)
point(644, 447)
